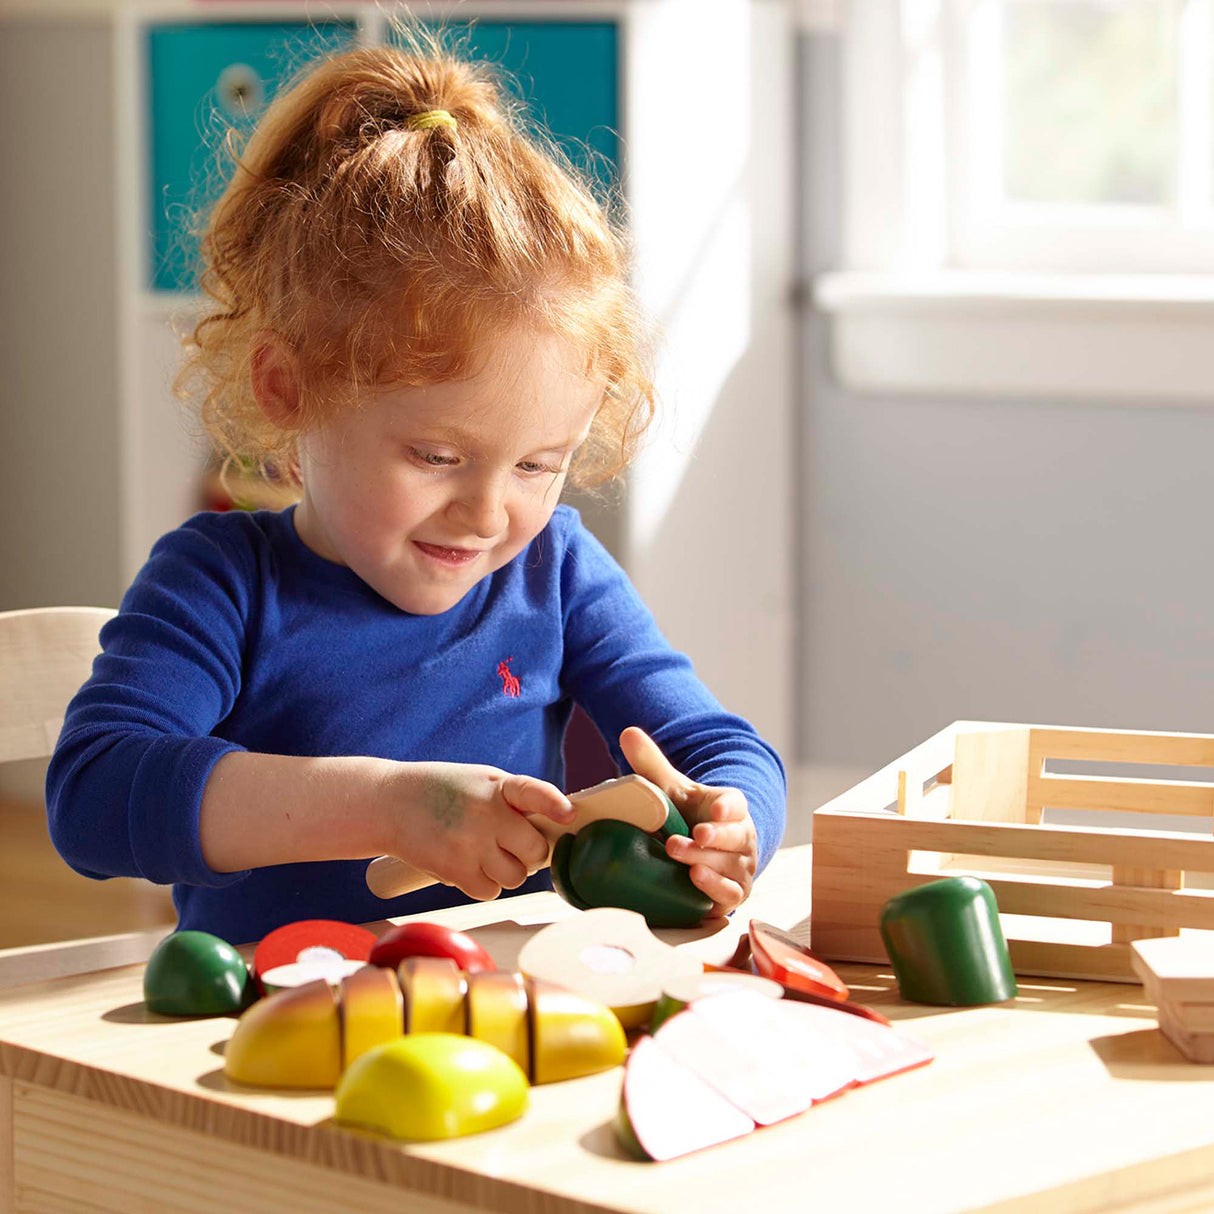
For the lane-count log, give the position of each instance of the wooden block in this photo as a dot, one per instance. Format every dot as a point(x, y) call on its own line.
point(1181, 967)
point(1192, 1017)
point(1196, 1047)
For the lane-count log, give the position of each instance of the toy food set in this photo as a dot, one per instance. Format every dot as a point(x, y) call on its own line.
point(421, 1037)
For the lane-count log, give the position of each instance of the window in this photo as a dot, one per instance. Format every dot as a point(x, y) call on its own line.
point(1082, 134)
point(1015, 167)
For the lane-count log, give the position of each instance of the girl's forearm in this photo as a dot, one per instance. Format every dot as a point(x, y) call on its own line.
point(260, 809)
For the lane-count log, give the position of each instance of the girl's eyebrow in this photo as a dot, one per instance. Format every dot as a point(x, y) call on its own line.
point(463, 438)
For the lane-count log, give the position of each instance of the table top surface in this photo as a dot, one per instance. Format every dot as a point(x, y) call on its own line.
point(1066, 1098)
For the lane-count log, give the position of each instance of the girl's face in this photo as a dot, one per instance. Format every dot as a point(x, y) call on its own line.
point(425, 491)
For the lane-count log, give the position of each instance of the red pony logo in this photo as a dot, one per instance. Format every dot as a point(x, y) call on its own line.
point(510, 684)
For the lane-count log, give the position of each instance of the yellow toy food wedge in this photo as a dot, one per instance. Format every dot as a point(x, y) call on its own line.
point(431, 1086)
point(288, 1040)
point(372, 1011)
point(497, 1014)
point(571, 1035)
point(435, 989)
point(306, 1036)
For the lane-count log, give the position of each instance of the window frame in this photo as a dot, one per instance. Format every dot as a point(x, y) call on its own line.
point(990, 234)
point(909, 316)
point(909, 119)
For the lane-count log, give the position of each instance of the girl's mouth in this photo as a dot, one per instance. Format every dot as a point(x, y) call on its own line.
point(448, 556)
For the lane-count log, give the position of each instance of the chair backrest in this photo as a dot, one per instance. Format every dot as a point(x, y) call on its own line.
point(45, 655)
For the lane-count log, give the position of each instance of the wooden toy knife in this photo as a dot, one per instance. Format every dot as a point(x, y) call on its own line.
point(630, 799)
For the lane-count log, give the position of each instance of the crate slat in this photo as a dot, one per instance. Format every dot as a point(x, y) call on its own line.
point(1120, 746)
point(858, 834)
point(1107, 904)
point(1137, 796)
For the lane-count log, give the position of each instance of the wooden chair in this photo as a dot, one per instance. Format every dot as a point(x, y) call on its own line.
point(45, 655)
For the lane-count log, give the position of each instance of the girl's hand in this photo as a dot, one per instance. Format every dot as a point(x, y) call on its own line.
point(723, 851)
point(465, 824)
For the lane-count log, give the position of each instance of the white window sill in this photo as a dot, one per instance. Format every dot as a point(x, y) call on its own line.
point(1094, 337)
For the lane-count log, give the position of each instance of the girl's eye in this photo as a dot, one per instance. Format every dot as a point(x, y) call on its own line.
point(431, 458)
point(533, 467)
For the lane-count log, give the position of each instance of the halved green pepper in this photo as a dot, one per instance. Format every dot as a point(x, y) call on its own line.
point(560, 872)
point(612, 863)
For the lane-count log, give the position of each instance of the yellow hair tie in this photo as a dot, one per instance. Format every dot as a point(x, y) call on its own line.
point(430, 118)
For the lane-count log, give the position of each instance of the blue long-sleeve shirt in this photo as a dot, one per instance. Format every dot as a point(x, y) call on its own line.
point(235, 635)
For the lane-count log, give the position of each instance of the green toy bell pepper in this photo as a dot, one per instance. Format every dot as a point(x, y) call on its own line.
point(560, 872)
point(946, 944)
point(610, 863)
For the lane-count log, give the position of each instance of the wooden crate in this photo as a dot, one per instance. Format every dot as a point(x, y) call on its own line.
point(971, 800)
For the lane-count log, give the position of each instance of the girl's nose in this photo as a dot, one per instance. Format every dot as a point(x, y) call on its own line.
point(481, 506)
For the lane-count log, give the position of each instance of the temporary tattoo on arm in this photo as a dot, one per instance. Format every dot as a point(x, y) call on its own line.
point(445, 803)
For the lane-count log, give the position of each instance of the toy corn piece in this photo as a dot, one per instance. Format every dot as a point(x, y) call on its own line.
point(946, 945)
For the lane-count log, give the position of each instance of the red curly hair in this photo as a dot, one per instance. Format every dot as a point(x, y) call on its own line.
point(383, 254)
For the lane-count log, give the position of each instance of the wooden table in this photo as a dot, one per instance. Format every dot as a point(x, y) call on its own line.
point(1068, 1099)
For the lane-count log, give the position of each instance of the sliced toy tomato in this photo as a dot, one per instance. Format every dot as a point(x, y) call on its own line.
point(778, 955)
point(430, 940)
point(308, 949)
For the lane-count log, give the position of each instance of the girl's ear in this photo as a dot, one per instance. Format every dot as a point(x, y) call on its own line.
point(274, 372)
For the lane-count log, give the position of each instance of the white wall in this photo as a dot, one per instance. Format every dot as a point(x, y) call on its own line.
point(1008, 560)
point(709, 536)
point(59, 529)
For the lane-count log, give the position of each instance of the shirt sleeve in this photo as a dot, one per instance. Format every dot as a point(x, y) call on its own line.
point(621, 669)
point(125, 783)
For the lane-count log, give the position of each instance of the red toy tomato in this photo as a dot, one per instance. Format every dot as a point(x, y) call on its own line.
point(430, 940)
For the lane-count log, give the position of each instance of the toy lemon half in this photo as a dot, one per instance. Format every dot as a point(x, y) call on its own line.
point(431, 1085)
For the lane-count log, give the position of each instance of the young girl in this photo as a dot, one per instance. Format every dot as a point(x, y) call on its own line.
point(425, 320)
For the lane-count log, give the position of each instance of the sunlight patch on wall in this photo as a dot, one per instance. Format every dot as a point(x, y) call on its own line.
point(688, 162)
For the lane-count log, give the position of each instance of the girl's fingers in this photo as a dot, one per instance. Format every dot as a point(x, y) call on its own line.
point(504, 869)
point(645, 757)
point(738, 866)
point(479, 886)
point(531, 796)
point(724, 836)
point(519, 839)
point(724, 892)
point(726, 805)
